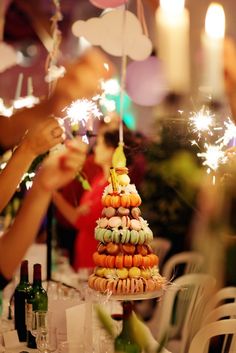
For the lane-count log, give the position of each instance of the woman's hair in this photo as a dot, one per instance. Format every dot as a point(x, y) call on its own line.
point(132, 145)
point(111, 138)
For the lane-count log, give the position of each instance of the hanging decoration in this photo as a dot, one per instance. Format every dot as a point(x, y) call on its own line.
point(53, 71)
point(108, 31)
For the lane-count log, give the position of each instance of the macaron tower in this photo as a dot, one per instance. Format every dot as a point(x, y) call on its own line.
point(124, 260)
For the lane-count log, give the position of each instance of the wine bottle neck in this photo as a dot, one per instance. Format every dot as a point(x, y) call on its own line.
point(24, 274)
point(37, 278)
point(37, 282)
point(126, 328)
point(24, 279)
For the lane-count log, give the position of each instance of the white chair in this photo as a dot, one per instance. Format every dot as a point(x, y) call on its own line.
point(221, 312)
point(179, 301)
point(225, 311)
point(161, 247)
point(200, 342)
point(189, 261)
point(222, 296)
point(217, 308)
point(205, 312)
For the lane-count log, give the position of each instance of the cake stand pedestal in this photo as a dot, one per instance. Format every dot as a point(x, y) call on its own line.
point(124, 341)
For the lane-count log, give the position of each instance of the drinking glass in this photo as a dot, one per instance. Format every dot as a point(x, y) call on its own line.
point(32, 323)
point(46, 338)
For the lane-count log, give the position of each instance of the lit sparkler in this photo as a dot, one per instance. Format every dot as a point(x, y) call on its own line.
point(230, 133)
point(82, 111)
point(204, 125)
point(213, 157)
point(202, 121)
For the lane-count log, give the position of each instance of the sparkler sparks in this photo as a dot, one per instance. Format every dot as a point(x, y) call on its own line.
point(81, 111)
point(202, 121)
point(213, 156)
point(230, 133)
point(207, 128)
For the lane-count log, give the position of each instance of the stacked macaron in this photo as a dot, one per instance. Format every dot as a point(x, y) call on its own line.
point(125, 262)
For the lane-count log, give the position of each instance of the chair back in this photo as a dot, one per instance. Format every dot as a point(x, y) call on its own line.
point(161, 247)
point(201, 341)
point(222, 296)
point(178, 304)
point(221, 312)
point(183, 263)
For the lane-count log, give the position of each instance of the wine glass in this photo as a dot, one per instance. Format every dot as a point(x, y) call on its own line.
point(46, 340)
point(46, 333)
point(32, 323)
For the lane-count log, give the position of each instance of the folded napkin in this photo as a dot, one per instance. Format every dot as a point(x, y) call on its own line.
point(79, 324)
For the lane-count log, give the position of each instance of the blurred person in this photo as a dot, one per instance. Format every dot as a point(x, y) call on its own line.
point(56, 170)
point(72, 193)
point(35, 142)
point(82, 80)
point(84, 217)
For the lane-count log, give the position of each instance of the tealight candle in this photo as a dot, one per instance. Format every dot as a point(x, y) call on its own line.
point(172, 21)
point(212, 45)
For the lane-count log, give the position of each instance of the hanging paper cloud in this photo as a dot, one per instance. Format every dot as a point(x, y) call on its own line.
point(117, 32)
point(8, 56)
point(145, 82)
point(103, 4)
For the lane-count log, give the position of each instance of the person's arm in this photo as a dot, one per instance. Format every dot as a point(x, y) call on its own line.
point(14, 127)
point(37, 141)
point(56, 171)
point(16, 241)
point(82, 79)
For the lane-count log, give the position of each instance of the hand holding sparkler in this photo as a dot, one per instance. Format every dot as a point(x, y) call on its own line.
point(42, 137)
point(60, 168)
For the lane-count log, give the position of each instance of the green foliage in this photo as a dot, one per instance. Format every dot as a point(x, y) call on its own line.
point(171, 184)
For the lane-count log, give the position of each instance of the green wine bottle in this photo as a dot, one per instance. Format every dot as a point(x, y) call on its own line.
point(20, 296)
point(124, 342)
point(36, 301)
